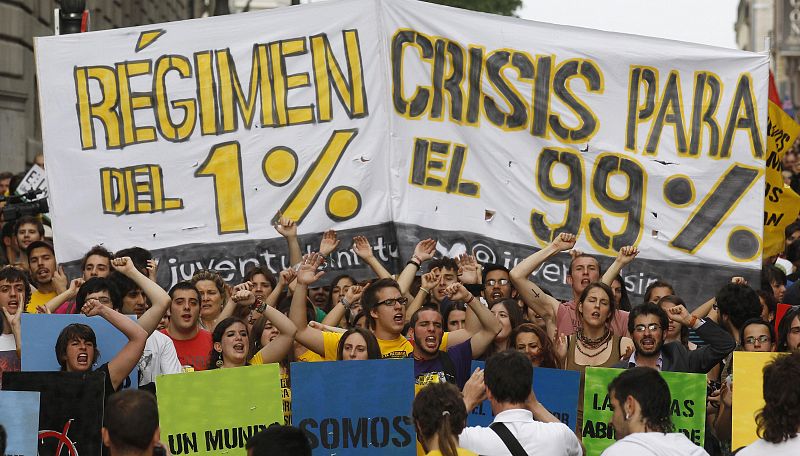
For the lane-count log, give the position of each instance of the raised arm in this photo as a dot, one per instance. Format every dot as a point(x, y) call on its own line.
point(428, 281)
point(276, 350)
point(159, 298)
point(422, 253)
point(307, 273)
point(336, 314)
point(68, 294)
point(231, 306)
point(285, 277)
point(288, 229)
point(490, 326)
point(16, 328)
point(624, 258)
point(533, 296)
point(126, 359)
point(364, 251)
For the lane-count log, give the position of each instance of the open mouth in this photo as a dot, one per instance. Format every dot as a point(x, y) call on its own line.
point(595, 314)
point(239, 348)
point(431, 342)
point(399, 319)
point(42, 272)
point(83, 359)
point(497, 295)
point(186, 317)
point(585, 281)
point(648, 343)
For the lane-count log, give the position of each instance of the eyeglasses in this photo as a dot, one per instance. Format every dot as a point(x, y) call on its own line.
point(653, 327)
point(392, 301)
point(493, 282)
point(762, 339)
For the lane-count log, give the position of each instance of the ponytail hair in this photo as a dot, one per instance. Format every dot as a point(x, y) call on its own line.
point(439, 410)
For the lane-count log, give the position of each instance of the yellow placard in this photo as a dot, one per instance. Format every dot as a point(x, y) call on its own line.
point(781, 203)
point(748, 395)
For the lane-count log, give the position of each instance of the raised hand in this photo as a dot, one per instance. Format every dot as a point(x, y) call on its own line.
point(424, 250)
point(739, 280)
point(457, 292)
point(430, 279)
point(13, 320)
point(680, 314)
point(243, 296)
point(123, 265)
point(353, 294)
point(286, 276)
point(469, 270)
point(74, 285)
point(152, 269)
point(362, 248)
point(560, 347)
point(92, 307)
point(286, 227)
point(627, 254)
point(307, 272)
point(329, 243)
point(60, 279)
point(474, 390)
point(242, 286)
point(564, 241)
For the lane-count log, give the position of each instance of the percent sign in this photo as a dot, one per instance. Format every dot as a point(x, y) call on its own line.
point(224, 165)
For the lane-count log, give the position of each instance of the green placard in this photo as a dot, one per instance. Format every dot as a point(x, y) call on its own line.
point(216, 411)
point(688, 407)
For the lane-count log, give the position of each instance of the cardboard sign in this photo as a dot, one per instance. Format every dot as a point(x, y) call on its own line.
point(781, 203)
point(71, 411)
point(356, 408)
point(40, 333)
point(556, 389)
point(415, 120)
point(688, 392)
point(19, 415)
point(748, 395)
point(216, 411)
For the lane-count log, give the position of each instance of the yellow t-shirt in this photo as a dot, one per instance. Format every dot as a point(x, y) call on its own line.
point(257, 359)
point(310, 357)
point(461, 452)
point(395, 349)
point(38, 299)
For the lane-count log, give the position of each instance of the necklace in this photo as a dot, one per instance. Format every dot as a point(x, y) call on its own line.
point(592, 344)
point(578, 346)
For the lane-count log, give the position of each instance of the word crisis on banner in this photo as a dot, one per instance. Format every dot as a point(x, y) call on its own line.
point(411, 117)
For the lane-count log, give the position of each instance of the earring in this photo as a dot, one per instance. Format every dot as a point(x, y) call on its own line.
point(627, 417)
point(219, 362)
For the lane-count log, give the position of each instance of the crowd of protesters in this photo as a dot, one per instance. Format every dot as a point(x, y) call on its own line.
point(442, 312)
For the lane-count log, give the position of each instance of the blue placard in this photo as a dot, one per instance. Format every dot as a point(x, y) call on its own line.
point(556, 389)
point(355, 407)
point(19, 415)
point(40, 332)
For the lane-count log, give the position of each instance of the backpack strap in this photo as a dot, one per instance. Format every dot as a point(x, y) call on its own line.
point(508, 439)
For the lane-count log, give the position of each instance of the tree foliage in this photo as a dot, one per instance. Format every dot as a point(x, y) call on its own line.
point(504, 7)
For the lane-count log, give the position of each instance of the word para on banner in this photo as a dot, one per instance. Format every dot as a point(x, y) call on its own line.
point(140, 189)
point(223, 104)
point(459, 74)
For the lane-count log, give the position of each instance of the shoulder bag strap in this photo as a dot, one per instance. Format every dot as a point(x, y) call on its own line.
point(508, 438)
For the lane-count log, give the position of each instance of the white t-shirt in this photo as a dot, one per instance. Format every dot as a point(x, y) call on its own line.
point(554, 439)
point(655, 444)
point(790, 447)
point(158, 358)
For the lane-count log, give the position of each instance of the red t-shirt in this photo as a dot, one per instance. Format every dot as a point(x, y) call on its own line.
point(194, 352)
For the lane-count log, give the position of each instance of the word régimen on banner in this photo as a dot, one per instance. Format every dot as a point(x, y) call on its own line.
point(458, 73)
point(221, 98)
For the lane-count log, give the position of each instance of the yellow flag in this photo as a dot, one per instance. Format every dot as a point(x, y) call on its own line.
point(781, 203)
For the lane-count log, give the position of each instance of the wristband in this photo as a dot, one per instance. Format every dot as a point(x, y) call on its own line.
point(260, 306)
point(344, 302)
point(693, 321)
point(471, 298)
point(415, 257)
point(425, 290)
point(414, 263)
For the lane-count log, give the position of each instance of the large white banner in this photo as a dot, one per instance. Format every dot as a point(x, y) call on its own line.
point(403, 119)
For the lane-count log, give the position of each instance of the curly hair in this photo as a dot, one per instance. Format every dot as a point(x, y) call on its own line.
point(779, 419)
point(439, 411)
point(13, 274)
point(214, 277)
point(548, 352)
